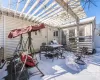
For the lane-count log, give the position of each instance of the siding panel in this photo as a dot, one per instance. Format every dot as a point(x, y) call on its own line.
point(14, 23)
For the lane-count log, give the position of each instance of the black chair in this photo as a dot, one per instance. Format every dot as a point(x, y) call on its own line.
point(52, 53)
point(44, 44)
point(60, 52)
point(43, 50)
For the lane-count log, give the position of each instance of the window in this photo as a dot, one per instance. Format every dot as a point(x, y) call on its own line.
point(55, 33)
point(81, 39)
point(72, 33)
point(81, 31)
point(72, 39)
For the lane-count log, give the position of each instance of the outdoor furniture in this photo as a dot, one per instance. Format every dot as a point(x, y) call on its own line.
point(43, 44)
point(20, 49)
point(43, 50)
point(29, 62)
point(49, 52)
point(58, 50)
point(84, 51)
point(55, 45)
point(2, 61)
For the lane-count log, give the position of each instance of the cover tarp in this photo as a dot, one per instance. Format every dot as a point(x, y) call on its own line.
point(16, 32)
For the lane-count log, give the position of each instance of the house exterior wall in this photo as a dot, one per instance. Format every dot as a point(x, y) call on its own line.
point(88, 35)
point(9, 23)
point(1, 32)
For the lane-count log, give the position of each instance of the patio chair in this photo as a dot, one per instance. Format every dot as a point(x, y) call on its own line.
point(51, 53)
point(43, 50)
point(44, 44)
point(84, 51)
point(60, 52)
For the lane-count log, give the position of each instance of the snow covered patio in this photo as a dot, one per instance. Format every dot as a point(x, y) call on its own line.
point(60, 69)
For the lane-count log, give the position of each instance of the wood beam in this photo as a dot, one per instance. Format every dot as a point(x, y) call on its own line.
point(51, 21)
point(54, 13)
point(46, 9)
point(40, 7)
point(33, 6)
point(9, 4)
point(75, 25)
point(67, 8)
point(27, 3)
point(49, 12)
point(18, 2)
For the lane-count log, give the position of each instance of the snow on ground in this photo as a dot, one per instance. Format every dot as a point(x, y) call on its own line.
point(58, 70)
point(3, 72)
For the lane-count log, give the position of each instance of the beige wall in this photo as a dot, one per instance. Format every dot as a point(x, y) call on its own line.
point(10, 23)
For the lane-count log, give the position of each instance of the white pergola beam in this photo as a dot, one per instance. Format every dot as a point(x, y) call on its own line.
point(27, 3)
point(40, 7)
point(51, 22)
point(47, 8)
point(49, 12)
point(33, 6)
point(54, 13)
point(18, 2)
point(67, 8)
point(9, 4)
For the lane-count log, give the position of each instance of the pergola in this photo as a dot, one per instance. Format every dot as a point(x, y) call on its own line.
point(56, 13)
point(51, 12)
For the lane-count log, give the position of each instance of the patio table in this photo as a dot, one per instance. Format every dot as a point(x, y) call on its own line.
point(57, 49)
point(55, 45)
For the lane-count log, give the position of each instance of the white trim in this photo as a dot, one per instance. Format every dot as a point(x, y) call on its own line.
point(9, 4)
point(67, 8)
point(34, 5)
point(47, 8)
point(49, 12)
point(54, 13)
point(27, 3)
point(18, 2)
point(40, 7)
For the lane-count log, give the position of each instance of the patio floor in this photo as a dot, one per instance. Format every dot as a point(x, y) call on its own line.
point(58, 70)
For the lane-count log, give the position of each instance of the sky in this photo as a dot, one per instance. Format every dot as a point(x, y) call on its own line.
point(91, 11)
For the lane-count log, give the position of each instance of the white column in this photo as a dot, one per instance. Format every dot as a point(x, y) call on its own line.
point(77, 39)
point(60, 36)
point(47, 34)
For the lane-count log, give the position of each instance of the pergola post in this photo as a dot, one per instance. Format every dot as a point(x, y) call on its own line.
point(65, 6)
point(60, 35)
point(70, 11)
point(77, 38)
